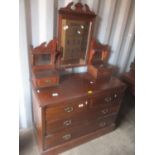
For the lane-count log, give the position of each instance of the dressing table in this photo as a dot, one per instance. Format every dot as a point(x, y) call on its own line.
point(75, 97)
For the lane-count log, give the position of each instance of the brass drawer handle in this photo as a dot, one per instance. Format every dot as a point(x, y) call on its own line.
point(108, 99)
point(81, 105)
point(105, 111)
point(68, 109)
point(67, 123)
point(102, 124)
point(66, 137)
point(47, 81)
point(115, 95)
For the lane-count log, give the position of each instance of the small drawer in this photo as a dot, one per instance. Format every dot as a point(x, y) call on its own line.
point(65, 110)
point(46, 82)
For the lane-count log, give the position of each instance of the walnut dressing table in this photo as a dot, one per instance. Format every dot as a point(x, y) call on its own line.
point(71, 107)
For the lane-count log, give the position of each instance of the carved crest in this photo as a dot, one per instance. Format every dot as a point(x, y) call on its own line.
point(77, 8)
point(45, 48)
point(68, 7)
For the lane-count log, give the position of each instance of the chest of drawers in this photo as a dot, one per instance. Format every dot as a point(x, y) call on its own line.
point(75, 112)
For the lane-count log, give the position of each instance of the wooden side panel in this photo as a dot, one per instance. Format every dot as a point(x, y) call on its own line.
point(38, 120)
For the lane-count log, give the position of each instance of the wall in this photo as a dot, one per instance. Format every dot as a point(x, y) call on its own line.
point(115, 25)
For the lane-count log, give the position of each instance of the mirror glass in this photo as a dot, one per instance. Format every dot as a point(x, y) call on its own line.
point(74, 39)
point(42, 59)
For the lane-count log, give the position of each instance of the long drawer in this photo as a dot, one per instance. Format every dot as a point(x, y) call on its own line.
point(76, 131)
point(72, 107)
point(67, 109)
point(80, 119)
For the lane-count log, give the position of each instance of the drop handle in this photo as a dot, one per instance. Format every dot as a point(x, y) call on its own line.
point(104, 111)
point(102, 124)
point(67, 123)
point(66, 137)
point(108, 99)
point(68, 109)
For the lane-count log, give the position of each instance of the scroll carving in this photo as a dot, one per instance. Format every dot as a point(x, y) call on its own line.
point(87, 8)
point(78, 8)
point(68, 7)
point(45, 48)
point(97, 47)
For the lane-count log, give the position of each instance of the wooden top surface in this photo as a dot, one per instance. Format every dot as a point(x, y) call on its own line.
point(72, 87)
point(129, 77)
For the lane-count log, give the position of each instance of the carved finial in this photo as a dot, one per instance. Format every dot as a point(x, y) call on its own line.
point(79, 6)
point(87, 8)
point(69, 5)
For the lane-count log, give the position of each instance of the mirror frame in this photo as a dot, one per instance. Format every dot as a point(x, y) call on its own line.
point(77, 12)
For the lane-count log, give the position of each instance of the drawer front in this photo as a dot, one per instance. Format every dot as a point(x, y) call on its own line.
point(80, 119)
point(52, 127)
point(100, 73)
point(66, 109)
point(74, 132)
point(112, 98)
point(46, 82)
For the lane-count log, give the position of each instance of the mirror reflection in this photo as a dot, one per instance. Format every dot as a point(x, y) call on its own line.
point(43, 59)
point(74, 39)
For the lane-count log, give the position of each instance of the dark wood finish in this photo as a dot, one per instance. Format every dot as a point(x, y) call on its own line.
point(98, 66)
point(76, 120)
point(75, 87)
point(43, 49)
point(129, 79)
point(45, 78)
point(80, 12)
point(79, 140)
point(45, 75)
point(38, 121)
point(78, 111)
point(71, 109)
point(99, 53)
point(101, 72)
point(68, 134)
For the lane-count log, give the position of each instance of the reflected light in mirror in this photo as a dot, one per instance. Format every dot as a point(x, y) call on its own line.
point(82, 69)
point(65, 27)
point(74, 41)
point(55, 94)
point(82, 27)
point(79, 32)
point(38, 91)
point(91, 82)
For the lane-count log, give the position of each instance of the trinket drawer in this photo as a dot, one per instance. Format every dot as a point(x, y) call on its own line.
point(75, 112)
